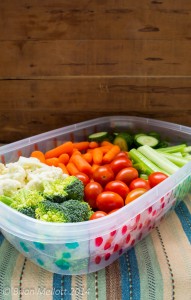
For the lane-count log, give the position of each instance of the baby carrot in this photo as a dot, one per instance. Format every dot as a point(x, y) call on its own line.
point(94, 167)
point(81, 146)
point(66, 147)
point(54, 161)
point(97, 156)
point(64, 158)
point(72, 169)
point(109, 156)
point(106, 143)
point(81, 164)
point(93, 144)
point(38, 154)
point(105, 149)
point(88, 157)
point(63, 167)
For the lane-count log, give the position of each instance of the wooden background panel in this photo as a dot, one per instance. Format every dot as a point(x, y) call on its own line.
point(37, 106)
point(62, 62)
point(127, 22)
point(97, 57)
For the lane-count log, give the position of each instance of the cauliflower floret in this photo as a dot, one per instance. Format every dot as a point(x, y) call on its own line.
point(2, 168)
point(9, 186)
point(14, 171)
point(31, 163)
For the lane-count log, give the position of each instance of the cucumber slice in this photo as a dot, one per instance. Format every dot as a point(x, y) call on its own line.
point(98, 136)
point(147, 140)
point(124, 140)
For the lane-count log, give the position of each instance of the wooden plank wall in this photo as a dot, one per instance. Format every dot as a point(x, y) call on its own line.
point(62, 62)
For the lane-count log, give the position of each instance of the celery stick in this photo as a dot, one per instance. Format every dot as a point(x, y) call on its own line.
point(143, 164)
point(172, 149)
point(187, 149)
point(156, 157)
point(179, 161)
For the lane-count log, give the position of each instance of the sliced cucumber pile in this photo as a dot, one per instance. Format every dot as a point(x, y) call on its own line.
point(124, 140)
point(99, 136)
point(148, 140)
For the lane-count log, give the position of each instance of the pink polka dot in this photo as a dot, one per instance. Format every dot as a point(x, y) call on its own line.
point(128, 238)
point(163, 205)
point(107, 256)
point(140, 225)
point(150, 209)
point(162, 199)
point(107, 245)
point(116, 247)
point(113, 233)
point(133, 242)
point(154, 212)
point(98, 260)
point(137, 218)
point(98, 241)
point(124, 229)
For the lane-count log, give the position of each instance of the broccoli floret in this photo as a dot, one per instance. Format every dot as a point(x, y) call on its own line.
point(54, 191)
point(26, 198)
point(51, 212)
point(28, 211)
point(77, 211)
point(74, 188)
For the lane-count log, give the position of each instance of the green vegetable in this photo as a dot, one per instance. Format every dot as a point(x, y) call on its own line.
point(77, 211)
point(6, 200)
point(179, 161)
point(26, 198)
point(99, 136)
point(68, 212)
point(155, 157)
point(124, 140)
point(51, 212)
point(151, 141)
point(28, 211)
point(173, 149)
point(74, 188)
point(143, 164)
point(54, 191)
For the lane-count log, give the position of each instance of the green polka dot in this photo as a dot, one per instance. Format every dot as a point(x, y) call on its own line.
point(72, 245)
point(66, 255)
point(62, 264)
point(24, 247)
point(39, 246)
point(40, 262)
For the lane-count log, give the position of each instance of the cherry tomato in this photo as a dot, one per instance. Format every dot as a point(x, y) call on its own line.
point(156, 177)
point(112, 211)
point(98, 214)
point(134, 194)
point(91, 191)
point(119, 163)
point(107, 201)
point(118, 187)
point(127, 175)
point(83, 177)
point(103, 175)
point(139, 183)
point(122, 154)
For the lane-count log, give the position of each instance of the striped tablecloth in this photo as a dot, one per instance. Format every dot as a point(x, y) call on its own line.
point(158, 267)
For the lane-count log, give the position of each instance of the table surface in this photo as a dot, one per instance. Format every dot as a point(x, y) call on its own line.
point(158, 267)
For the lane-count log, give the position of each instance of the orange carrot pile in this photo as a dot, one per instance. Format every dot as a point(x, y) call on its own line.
point(75, 157)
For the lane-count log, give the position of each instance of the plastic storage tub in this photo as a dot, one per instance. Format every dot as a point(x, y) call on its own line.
point(81, 248)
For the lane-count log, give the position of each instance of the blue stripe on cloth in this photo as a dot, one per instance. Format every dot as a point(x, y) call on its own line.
point(185, 218)
point(67, 292)
point(1, 238)
point(130, 281)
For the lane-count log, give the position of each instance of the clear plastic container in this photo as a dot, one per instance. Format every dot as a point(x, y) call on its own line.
point(81, 248)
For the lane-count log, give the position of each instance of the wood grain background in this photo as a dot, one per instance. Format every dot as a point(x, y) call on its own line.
point(62, 62)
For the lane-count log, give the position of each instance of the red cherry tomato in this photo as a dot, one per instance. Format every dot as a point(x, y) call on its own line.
point(83, 177)
point(103, 175)
point(98, 214)
point(91, 191)
point(107, 201)
point(118, 187)
point(156, 177)
point(134, 194)
point(122, 154)
point(127, 175)
point(139, 183)
point(119, 163)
